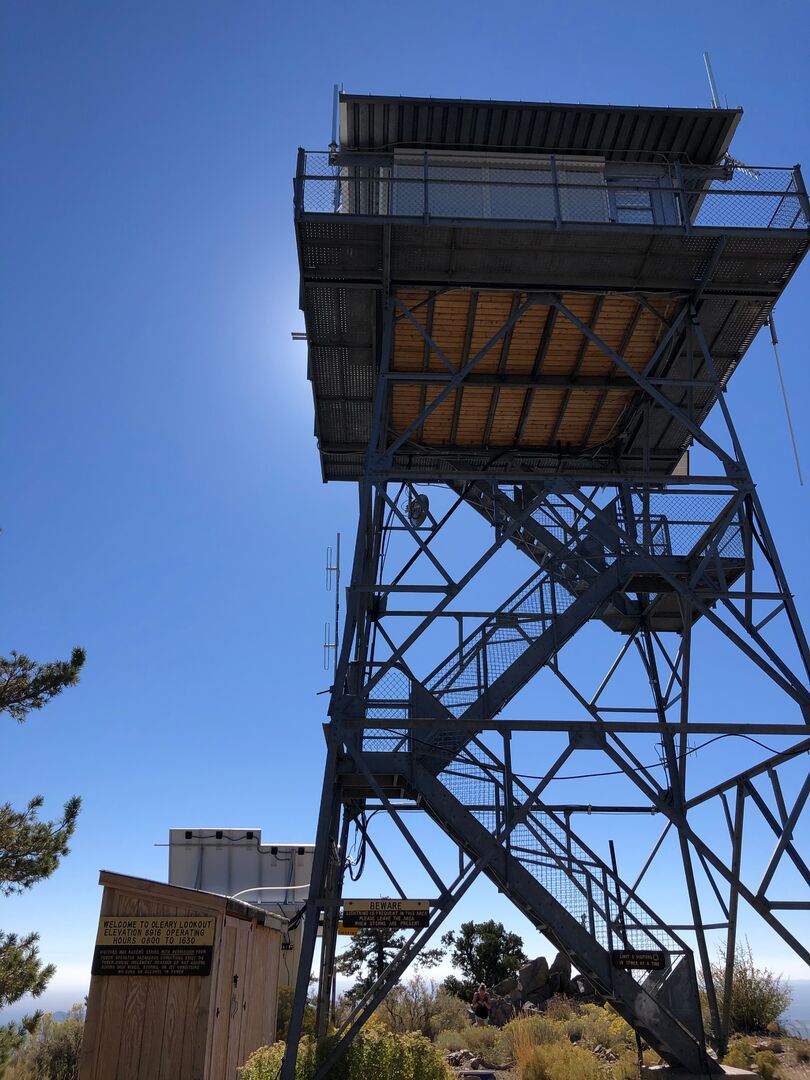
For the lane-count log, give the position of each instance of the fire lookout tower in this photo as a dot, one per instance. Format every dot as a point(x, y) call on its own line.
point(519, 318)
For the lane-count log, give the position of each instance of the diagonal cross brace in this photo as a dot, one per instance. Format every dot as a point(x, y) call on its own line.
point(652, 391)
point(457, 379)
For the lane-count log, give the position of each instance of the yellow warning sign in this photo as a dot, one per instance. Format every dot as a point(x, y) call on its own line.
point(155, 930)
point(385, 913)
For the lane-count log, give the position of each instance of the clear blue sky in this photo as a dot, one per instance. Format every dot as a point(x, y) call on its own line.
point(162, 503)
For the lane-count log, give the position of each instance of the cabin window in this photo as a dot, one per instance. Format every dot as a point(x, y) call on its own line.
point(644, 198)
point(583, 194)
point(633, 207)
point(499, 186)
point(510, 188)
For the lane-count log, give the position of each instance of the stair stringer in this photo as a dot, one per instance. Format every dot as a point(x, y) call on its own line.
point(657, 1024)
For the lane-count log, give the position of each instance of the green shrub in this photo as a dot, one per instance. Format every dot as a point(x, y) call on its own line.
point(482, 1039)
point(52, 1050)
point(602, 1027)
point(284, 1012)
point(447, 1041)
point(626, 1068)
point(575, 1028)
point(560, 1061)
point(559, 1007)
point(527, 1032)
point(421, 1005)
point(758, 997)
point(740, 1054)
point(373, 1055)
point(449, 1012)
point(767, 1065)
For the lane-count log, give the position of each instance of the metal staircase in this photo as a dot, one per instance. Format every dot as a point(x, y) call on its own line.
point(576, 901)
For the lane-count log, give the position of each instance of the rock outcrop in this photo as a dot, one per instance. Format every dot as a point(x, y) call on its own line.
point(534, 984)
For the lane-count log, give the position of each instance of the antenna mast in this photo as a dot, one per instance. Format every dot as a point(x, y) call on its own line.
point(707, 60)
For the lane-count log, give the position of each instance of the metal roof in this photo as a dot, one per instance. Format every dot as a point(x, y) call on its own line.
point(617, 132)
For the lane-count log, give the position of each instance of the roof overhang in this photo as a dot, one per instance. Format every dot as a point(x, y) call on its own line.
point(616, 132)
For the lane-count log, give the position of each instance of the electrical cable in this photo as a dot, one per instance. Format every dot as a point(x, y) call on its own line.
point(621, 772)
point(352, 860)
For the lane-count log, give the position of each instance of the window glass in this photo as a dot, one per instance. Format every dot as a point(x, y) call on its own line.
point(499, 186)
point(522, 193)
point(583, 194)
point(634, 207)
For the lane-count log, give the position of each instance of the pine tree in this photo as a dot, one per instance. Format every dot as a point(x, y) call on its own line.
point(370, 953)
point(484, 952)
point(30, 849)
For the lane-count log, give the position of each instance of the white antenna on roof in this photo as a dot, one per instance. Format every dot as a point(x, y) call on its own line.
point(712, 84)
point(335, 111)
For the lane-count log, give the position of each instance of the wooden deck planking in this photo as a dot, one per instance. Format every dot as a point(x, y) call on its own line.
point(589, 416)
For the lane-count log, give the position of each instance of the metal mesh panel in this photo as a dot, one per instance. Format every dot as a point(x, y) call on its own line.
point(755, 198)
point(498, 643)
point(390, 699)
point(576, 192)
point(573, 875)
point(671, 523)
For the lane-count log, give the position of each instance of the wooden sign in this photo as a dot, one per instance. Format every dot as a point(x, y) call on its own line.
point(385, 914)
point(346, 931)
point(642, 959)
point(154, 945)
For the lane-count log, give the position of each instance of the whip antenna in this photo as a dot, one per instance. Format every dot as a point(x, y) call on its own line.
point(775, 341)
point(712, 84)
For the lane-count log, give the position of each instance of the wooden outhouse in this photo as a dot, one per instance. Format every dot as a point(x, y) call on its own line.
point(184, 984)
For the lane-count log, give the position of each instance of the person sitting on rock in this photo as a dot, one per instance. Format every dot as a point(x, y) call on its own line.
point(481, 1004)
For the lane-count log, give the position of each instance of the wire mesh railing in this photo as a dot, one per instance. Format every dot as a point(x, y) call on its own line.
point(552, 190)
point(660, 525)
point(546, 847)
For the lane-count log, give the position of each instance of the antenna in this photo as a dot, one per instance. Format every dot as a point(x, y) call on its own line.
point(335, 110)
point(707, 60)
point(332, 567)
point(775, 342)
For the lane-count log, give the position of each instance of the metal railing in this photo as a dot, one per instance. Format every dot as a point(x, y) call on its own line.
point(555, 191)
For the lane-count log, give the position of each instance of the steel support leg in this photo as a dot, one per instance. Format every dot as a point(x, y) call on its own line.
point(325, 838)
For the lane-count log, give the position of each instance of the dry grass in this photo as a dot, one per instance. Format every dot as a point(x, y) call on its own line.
point(560, 1061)
point(521, 1036)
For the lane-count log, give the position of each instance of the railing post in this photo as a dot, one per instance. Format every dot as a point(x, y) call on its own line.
point(804, 202)
point(298, 185)
point(425, 188)
point(556, 187)
point(687, 223)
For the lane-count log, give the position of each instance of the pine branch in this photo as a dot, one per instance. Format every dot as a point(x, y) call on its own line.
point(30, 849)
point(26, 685)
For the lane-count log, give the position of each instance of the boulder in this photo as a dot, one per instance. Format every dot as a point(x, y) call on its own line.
point(501, 1010)
point(582, 987)
point(561, 966)
point(505, 988)
point(459, 1059)
point(540, 995)
point(533, 975)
